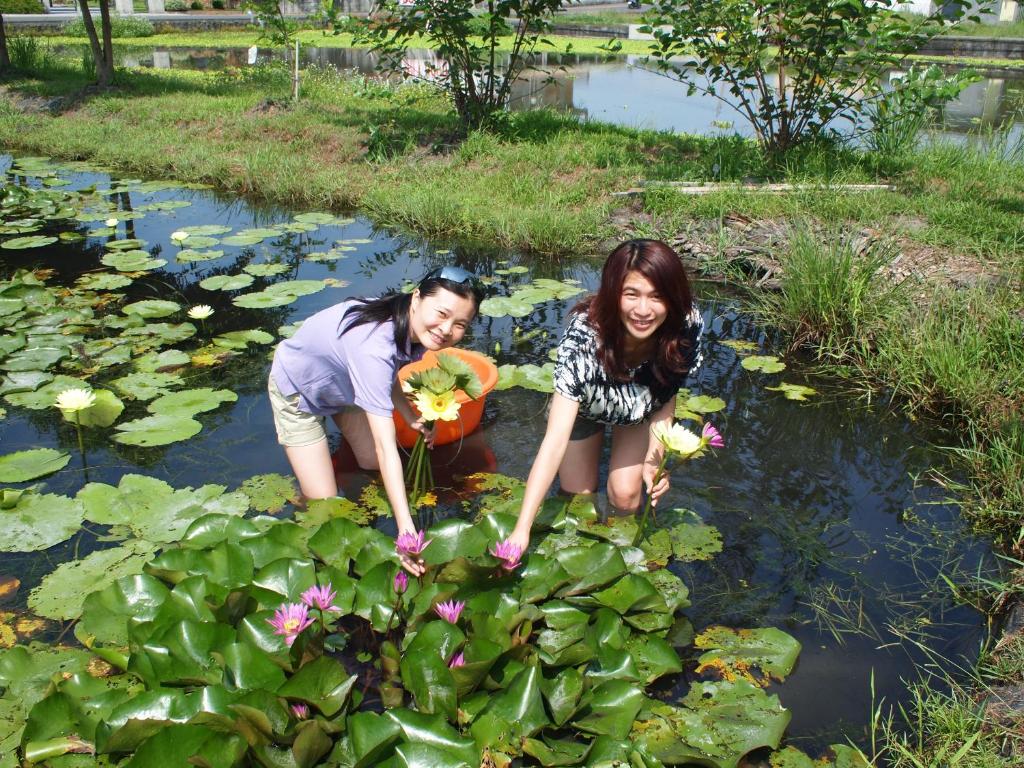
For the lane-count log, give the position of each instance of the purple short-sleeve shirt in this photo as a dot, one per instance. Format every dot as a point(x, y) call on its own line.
point(329, 369)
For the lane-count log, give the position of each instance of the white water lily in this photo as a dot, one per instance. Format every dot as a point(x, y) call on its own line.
point(678, 439)
point(77, 399)
point(111, 222)
point(179, 235)
point(200, 311)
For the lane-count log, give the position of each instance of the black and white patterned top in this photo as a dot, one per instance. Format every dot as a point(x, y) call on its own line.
point(580, 376)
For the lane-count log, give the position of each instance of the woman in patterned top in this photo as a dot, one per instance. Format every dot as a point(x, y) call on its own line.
point(625, 353)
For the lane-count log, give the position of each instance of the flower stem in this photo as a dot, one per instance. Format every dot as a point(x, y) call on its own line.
point(647, 507)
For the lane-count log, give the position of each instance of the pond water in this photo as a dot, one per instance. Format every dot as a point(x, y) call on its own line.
point(619, 90)
point(832, 527)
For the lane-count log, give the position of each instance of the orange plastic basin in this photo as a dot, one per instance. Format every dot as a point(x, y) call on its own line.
point(470, 411)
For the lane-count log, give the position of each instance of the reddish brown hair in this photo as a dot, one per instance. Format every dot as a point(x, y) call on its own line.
point(662, 267)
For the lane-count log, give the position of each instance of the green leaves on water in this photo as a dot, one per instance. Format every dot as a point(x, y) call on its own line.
point(794, 391)
point(38, 521)
point(756, 654)
point(132, 261)
point(34, 241)
point(172, 420)
point(28, 465)
point(154, 511)
point(152, 308)
point(763, 363)
point(523, 300)
point(226, 282)
point(102, 413)
point(539, 378)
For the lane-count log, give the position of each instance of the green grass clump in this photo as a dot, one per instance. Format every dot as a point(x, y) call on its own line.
point(120, 27)
point(21, 6)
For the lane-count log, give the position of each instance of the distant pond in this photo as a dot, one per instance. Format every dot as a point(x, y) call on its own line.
point(617, 90)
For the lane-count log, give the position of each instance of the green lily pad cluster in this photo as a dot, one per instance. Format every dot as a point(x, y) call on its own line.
point(548, 664)
point(522, 301)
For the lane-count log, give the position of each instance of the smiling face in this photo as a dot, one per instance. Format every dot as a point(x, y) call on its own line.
point(641, 309)
point(440, 319)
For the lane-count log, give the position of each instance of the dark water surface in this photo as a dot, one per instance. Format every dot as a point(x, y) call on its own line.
point(617, 90)
point(833, 529)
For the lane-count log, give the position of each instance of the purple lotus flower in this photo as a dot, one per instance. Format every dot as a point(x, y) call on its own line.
point(301, 711)
point(450, 611)
point(458, 660)
point(401, 583)
point(289, 621)
point(411, 543)
point(712, 437)
point(321, 597)
point(508, 553)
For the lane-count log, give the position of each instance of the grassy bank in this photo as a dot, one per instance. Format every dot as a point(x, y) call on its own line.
point(946, 336)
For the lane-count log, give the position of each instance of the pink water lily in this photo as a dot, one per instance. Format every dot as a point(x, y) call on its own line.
point(508, 553)
point(712, 437)
point(289, 621)
point(321, 597)
point(458, 660)
point(401, 583)
point(411, 543)
point(450, 611)
point(301, 711)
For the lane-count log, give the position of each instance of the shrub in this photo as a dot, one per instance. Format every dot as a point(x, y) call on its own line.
point(21, 6)
point(120, 26)
point(175, 5)
point(196, 5)
point(27, 53)
point(218, 4)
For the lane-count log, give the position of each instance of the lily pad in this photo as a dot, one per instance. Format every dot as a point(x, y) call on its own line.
point(169, 359)
point(693, 540)
point(266, 270)
point(269, 493)
point(146, 386)
point(794, 391)
point(242, 339)
point(189, 402)
point(151, 308)
point(742, 651)
point(763, 363)
point(28, 465)
point(157, 430)
point(504, 306)
point(194, 254)
point(38, 521)
point(61, 593)
point(152, 509)
point(132, 261)
point(207, 229)
point(34, 241)
point(704, 404)
point(529, 376)
point(226, 282)
point(44, 396)
point(103, 281)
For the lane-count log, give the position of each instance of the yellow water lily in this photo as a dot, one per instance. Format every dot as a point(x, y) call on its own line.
point(77, 399)
point(442, 407)
point(677, 439)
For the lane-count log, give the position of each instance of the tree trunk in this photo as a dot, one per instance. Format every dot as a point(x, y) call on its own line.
point(102, 54)
point(105, 73)
point(5, 59)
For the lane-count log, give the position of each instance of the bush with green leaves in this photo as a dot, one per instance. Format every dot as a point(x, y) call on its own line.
point(195, 5)
point(21, 6)
point(469, 67)
point(790, 67)
point(120, 26)
point(218, 5)
point(175, 5)
point(275, 28)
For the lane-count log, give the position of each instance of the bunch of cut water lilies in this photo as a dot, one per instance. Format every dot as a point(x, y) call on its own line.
point(432, 392)
point(679, 444)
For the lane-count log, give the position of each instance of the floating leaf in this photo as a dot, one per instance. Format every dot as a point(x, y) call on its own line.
point(741, 651)
point(189, 402)
point(316, 218)
point(102, 413)
point(226, 282)
point(194, 254)
point(132, 261)
point(242, 339)
point(207, 229)
point(146, 386)
point(693, 540)
point(169, 359)
point(61, 593)
point(503, 306)
point(33, 358)
point(763, 363)
point(157, 430)
point(269, 493)
point(45, 396)
point(132, 244)
point(103, 281)
point(794, 391)
point(152, 308)
point(34, 241)
point(152, 509)
point(529, 376)
point(741, 347)
point(266, 270)
point(28, 465)
point(704, 404)
point(38, 521)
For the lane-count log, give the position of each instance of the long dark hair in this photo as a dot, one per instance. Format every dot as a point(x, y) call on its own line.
point(662, 267)
point(394, 306)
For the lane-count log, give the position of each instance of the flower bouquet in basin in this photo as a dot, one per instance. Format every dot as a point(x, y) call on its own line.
point(432, 392)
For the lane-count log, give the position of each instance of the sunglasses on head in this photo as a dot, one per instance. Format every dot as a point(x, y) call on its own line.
point(453, 274)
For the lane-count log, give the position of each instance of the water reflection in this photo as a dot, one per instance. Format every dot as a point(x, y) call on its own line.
point(617, 90)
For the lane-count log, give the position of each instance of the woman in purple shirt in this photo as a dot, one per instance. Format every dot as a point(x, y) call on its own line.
point(343, 363)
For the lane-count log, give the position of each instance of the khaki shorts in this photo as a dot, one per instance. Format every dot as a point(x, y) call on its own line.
point(295, 428)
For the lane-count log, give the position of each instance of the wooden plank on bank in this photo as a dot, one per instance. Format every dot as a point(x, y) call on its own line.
point(702, 188)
